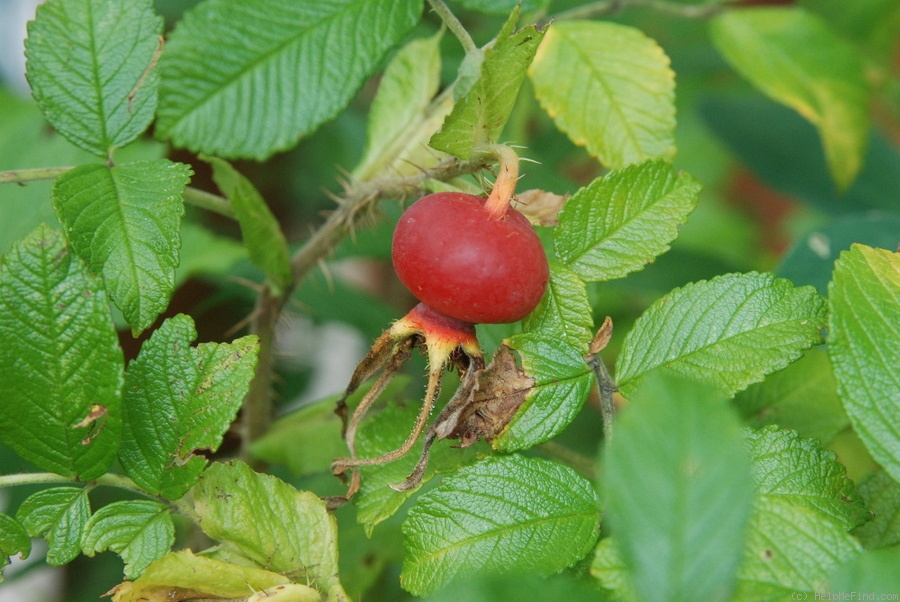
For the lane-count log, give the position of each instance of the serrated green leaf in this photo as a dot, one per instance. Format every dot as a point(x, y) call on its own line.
point(608, 567)
point(802, 397)
point(790, 551)
point(505, 504)
point(801, 472)
point(872, 572)
point(13, 540)
point(793, 57)
point(63, 367)
point(59, 515)
point(124, 221)
point(864, 327)
point(401, 119)
point(882, 497)
point(729, 331)
point(562, 382)
point(179, 399)
point(199, 577)
point(91, 66)
point(681, 525)
point(619, 223)
point(609, 88)
point(140, 531)
point(262, 235)
point(564, 312)
point(247, 79)
point(386, 431)
point(290, 531)
point(478, 117)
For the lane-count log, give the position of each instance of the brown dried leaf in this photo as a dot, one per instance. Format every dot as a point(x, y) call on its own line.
point(539, 206)
point(601, 339)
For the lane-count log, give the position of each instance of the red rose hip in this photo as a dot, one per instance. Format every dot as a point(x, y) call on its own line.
point(461, 261)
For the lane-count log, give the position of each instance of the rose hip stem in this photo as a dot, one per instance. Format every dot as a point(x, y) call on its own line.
point(501, 194)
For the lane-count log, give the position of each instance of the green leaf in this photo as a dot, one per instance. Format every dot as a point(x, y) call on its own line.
point(790, 551)
point(269, 522)
point(59, 515)
point(793, 57)
point(478, 117)
point(200, 577)
point(140, 531)
point(608, 567)
point(91, 66)
point(262, 235)
point(872, 572)
point(124, 221)
point(801, 472)
point(562, 382)
point(13, 540)
point(609, 88)
point(882, 497)
point(488, 518)
point(681, 525)
point(730, 331)
point(386, 431)
point(619, 223)
point(802, 397)
point(179, 399)
point(871, 24)
point(402, 119)
point(564, 312)
point(62, 377)
point(864, 327)
point(247, 79)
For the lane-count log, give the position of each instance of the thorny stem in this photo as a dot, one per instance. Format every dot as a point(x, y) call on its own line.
point(258, 406)
point(182, 507)
point(453, 24)
point(598, 9)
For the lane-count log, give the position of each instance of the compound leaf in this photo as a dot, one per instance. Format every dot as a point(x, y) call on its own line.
point(864, 327)
point(564, 312)
point(247, 79)
point(179, 399)
point(478, 117)
point(91, 66)
point(488, 517)
point(619, 223)
point(801, 472)
point(59, 515)
point(140, 531)
point(63, 367)
point(730, 331)
point(562, 382)
point(791, 550)
point(124, 221)
point(269, 522)
point(609, 88)
point(796, 59)
point(262, 235)
point(13, 540)
point(681, 525)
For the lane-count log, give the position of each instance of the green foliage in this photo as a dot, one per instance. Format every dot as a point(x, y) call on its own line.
point(353, 107)
point(140, 531)
point(124, 222)
point(63, 360)
point(179, 399)
point(681, 525)
point(864, 326)
point(610, 88)
point(750, 325)
point(502, 502)
point(223, 56)
point(92, 69)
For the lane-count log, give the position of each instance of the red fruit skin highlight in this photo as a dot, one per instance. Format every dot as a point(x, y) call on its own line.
point(457, 259)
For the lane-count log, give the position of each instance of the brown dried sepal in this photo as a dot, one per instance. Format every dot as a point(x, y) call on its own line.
point(540, 207)
point(500, 391)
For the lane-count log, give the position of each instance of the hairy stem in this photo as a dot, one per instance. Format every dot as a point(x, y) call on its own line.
point(507, 177)
point(607, 387)
point(453, 24)
point(182, 507)
point(258, 407)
